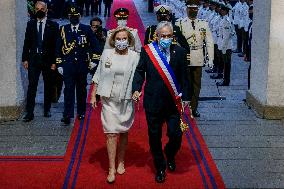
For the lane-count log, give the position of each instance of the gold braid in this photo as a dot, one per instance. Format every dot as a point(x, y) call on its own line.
point(65, 49)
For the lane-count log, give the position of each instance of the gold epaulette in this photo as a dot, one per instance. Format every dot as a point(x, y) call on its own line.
point(96, 57)
point(58, 60)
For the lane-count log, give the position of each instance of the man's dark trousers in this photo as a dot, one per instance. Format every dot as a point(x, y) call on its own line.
point(155, 122)
point(36, 67)
point(74, 79)
point(227, 65)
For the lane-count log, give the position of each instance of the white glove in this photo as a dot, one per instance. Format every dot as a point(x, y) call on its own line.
point(60, 70)
point(210, 64)
point(92, 65)
point(224, 51)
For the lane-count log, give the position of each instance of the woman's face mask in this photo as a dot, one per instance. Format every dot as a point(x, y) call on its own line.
point(166, 42)
point(121, 44)
point(122, 23)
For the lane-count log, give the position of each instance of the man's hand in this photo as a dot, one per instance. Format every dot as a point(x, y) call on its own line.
point(53, 66)
point(26, 64)
point(136, 96)
point(60, 70)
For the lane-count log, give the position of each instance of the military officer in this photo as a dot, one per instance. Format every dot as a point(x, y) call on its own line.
point(77, 52)
point(200, 51)
point(225, 44)
point(163, 13)
point(121, 16)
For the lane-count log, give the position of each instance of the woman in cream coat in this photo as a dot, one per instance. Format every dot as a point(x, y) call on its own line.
point(113, 82)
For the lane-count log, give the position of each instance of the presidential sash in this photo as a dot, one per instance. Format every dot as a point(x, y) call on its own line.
point(164, 69)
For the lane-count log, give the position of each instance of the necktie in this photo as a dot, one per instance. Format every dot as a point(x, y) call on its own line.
point(39, 38)
point(74, 29)
point(164, 51)
point(193, 25)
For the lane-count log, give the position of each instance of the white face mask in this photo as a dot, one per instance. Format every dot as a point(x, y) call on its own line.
point(122, 23)
point(121, 44)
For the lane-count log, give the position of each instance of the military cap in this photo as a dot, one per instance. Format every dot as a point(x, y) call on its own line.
point(121, 13)
point(225, 7)
point(73, 11)
point(163, 10)
point(192, 3)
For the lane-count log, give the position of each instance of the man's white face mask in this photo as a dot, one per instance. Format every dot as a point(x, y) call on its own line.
point(122, 23)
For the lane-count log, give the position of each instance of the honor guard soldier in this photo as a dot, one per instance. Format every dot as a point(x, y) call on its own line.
point(77, 52)
point(225, 44)
point(121, 16)
point(163, 13)
point(200, 51)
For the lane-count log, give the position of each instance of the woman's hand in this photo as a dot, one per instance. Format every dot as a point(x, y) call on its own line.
point(93, 97)
point(94, 102)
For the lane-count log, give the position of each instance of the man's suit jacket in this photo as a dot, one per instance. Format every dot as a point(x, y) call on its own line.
point(156, 95)
point(51, 31)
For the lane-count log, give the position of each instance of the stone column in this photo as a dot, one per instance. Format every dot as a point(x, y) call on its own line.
point(266, 95)
point(13, 79)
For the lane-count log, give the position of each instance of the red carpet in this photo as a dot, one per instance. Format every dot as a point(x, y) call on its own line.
point(85, 163)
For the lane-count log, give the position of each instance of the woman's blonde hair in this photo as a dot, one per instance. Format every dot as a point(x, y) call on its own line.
point(131, 40)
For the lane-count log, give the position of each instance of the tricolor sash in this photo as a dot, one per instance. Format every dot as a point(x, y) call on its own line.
point(164, 69)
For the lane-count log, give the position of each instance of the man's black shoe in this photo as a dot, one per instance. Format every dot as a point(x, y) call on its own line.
point(66, 120)
point(80, 117)
point(171, 165)
point(195, 113)
point(160, 176)
point(216, 76)
point(241, 55)
point(28, 118)
point(210, 71)
point(47, 114)
point(222, 83)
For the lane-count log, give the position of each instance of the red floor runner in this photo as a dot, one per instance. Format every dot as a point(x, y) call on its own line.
point(85, 163)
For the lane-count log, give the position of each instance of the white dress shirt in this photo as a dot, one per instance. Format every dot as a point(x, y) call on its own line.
point(43, 26)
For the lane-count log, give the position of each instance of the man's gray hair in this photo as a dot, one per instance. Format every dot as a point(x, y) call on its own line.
point(164, 24)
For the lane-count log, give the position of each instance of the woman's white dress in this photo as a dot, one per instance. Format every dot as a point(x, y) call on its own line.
point(117, 115)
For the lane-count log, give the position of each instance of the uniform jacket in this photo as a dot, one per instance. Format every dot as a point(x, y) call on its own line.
point(49, 41)
point(104, 75)
point(195, 39)
point(225, 40)
point(78, 48)
point(156, 95)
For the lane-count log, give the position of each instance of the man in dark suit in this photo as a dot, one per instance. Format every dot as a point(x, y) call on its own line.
point(39, 57)
point(77, 52)
point(159, 105)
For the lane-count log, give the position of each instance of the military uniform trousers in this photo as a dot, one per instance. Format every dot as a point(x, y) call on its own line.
point(194, 74)
point(74, 80)
point(155, 122)
point(37, 65)
point(226, 59)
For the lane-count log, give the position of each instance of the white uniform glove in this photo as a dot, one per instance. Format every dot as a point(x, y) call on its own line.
point(60, 70)
point(210, 64)
point(92, 65)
